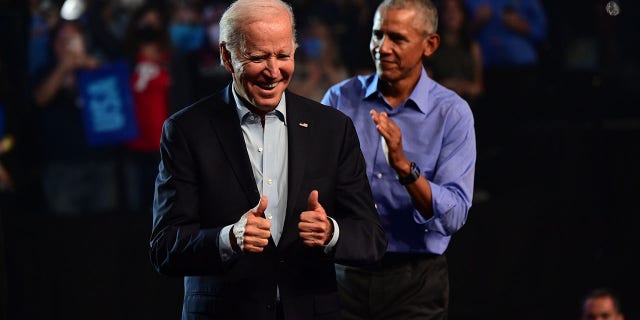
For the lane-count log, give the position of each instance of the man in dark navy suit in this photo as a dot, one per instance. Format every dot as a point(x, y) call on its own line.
point(260, 190)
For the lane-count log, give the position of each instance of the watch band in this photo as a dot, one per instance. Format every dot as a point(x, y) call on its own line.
point(414, 174)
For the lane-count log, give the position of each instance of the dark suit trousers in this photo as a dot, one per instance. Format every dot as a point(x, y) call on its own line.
point(402, 286)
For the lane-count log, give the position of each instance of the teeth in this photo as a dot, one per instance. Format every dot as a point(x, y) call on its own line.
point(270, 86)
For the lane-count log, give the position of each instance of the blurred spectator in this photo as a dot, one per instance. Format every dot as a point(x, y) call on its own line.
point(204, 69)
point(6, 145)
point(149, 48)
point(77, 178)
point(318, 65)
point(104, 23)
point(43, 16)
point(457, 64)
point(602, 304)
point(510, 33)
point(6, 138)
point(350, 22)
point(186, 28)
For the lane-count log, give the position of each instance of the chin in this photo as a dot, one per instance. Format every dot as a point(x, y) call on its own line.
point(270, 101)
point(267, 104)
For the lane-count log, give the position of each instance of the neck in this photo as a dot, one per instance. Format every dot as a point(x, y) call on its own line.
point(395, 92)
point(261, 112)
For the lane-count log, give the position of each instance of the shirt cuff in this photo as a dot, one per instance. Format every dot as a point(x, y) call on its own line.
point(334, 238)
point(224, 244)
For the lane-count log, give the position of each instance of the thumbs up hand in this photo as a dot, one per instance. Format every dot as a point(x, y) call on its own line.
point(251, 233)
point(314, 226)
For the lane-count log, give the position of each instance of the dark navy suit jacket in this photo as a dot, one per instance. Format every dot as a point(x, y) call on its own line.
point(205, 182)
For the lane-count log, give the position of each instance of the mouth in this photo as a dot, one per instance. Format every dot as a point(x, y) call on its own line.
point(385, 63)
point(269, 86)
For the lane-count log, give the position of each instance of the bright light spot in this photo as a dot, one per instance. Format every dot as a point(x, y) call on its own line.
point(72, 9)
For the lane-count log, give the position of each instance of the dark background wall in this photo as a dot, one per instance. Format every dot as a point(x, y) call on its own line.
point(559, 220)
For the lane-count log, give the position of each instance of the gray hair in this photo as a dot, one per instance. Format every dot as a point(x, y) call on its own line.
point(242, 11)
point(424, 8)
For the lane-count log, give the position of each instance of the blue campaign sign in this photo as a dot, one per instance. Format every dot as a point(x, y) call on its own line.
point(107, 104)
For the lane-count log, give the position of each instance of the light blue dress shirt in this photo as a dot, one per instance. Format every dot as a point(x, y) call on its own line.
point(438, 135)
point(268, 152)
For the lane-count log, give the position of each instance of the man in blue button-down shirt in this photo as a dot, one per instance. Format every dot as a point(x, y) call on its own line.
point(419, 144)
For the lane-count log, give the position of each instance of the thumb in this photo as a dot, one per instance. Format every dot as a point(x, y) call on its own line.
point(313, 201)
point(261, 207)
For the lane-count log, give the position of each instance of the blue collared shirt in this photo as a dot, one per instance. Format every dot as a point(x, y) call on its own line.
point(438, 135)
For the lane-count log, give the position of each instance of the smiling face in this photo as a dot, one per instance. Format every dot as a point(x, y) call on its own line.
point(398, 45)
point(263, 67)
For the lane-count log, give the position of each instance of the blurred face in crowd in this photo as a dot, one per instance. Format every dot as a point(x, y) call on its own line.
point(398, 44)
point(263, 67)
point(69, 41)
point(453, 15)
point(600, 308)
point(151, 18)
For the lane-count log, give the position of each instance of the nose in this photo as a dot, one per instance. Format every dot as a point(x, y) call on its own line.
point(383, 45)
point(380, 45)
point(272, 67)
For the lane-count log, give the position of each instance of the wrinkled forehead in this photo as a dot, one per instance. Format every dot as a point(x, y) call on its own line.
point(270, 29)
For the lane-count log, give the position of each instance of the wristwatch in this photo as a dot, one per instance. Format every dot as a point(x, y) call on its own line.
point(414, 174)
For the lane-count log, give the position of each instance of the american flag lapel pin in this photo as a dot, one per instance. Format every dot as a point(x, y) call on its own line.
point(303, 124)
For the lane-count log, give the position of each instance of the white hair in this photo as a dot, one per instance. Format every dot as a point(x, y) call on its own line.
point(425, 8)
point(243, 11)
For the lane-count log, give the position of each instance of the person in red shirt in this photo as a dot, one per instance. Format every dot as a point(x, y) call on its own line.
point(149, 48)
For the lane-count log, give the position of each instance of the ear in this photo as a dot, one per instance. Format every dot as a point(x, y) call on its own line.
point(225, 56)
point(430, 44)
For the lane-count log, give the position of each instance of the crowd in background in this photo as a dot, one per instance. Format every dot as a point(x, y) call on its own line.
point(491, 53)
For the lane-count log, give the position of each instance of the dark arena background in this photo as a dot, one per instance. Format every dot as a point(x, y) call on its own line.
point(554, 215)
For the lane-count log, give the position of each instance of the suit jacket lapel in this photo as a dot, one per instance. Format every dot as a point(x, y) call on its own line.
point(227, 127)
point(299, 129)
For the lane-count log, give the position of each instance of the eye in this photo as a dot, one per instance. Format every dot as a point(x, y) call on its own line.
point(256, 58)
point(377, 34)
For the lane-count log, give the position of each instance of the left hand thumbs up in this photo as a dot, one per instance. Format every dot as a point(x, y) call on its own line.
point(314, 226)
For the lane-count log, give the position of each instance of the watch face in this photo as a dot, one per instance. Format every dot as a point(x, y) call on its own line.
point(414, 174)
point(415, 171)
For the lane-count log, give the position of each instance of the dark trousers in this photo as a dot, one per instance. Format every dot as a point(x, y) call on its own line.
point(402, 286)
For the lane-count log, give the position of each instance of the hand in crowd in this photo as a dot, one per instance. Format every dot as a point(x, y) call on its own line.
point(74, 56)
